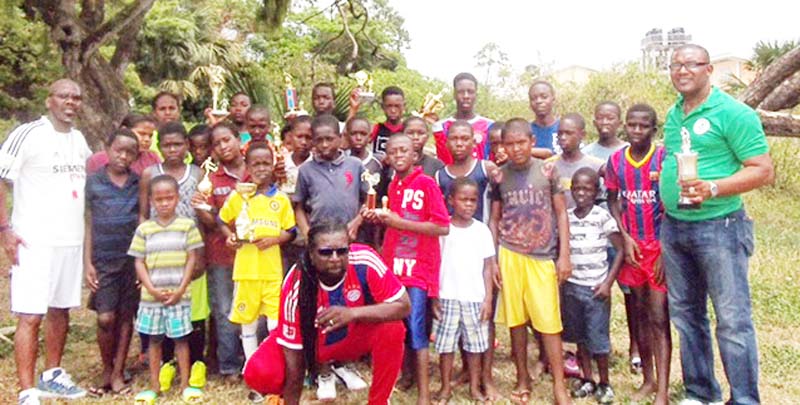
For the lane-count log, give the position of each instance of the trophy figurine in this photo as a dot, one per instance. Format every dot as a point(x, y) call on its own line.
point(290, 94)
point(216, 81)
point(372, 196)
point(245, 230)
point(204, 186)
point(385, 203)
point(364, 80)
point(432, 105)
point(687, 168)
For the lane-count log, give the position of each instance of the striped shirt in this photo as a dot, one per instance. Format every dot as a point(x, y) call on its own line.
point(588, 239)
point(639, 195)
point(164, 249)
point(115, 214)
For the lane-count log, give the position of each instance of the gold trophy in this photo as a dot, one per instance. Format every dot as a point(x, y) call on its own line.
point(245, 230)
point(372, 196)
point(687, 168)
point(204, 186)
point(216, 81)
point(364, 80)
point(431, 105)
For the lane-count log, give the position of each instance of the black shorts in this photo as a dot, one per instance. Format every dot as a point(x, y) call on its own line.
point(116, 287)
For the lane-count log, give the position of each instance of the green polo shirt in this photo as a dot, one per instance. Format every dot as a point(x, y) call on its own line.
point(725, 132)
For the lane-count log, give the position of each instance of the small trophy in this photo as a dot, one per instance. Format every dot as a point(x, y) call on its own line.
point(687, 168)
point(290, 94)
point(372, 179)
point(204, 186)
point(245, 230)
point(216, 81)
point(277, 154)
point(364, 80)
point(385, 203)
point(431, 105)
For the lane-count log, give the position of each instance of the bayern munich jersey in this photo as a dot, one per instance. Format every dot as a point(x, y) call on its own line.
point(480, 128)
point(367, 281)
point(637, 184)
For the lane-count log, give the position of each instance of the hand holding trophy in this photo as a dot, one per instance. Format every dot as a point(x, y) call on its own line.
point(245, 230)
point(687, 168)
point(205, 187)
point(431, 106)
point(364, 80)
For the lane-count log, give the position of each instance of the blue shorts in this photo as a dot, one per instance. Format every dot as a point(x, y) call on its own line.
point(174, 321)
point(416, 322)
point(586, 318)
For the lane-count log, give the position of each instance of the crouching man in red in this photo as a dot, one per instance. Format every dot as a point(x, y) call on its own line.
point(338, 303)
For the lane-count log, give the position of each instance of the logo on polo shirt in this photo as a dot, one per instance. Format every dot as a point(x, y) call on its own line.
point(274, 205)
point(353, 295)
point(288, 331)
point(701, 126)
point(348, 177)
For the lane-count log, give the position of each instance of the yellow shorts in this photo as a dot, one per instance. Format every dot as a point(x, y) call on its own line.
point(529, 293)
point(252, 298)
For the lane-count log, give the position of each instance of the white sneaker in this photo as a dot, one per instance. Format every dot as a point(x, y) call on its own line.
point(350, 378)
point(326, 387)
point(29, 397)
point(60, 385)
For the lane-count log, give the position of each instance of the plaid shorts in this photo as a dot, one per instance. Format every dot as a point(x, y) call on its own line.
point(461, 320)
point(175, 321)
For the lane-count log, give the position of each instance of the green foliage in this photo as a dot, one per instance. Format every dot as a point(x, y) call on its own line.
point(766, 52)
point(28, 63)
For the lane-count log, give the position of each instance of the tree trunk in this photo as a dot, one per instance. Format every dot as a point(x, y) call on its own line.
point(771, 77)
point(780, 124)
point(786, 95)
point(105, 99)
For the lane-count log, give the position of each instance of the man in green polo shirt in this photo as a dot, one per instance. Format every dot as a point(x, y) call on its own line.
point(706, 250)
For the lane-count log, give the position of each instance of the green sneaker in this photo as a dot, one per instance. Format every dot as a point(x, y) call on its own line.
point(166, 375)
point(192, 395)
point(197, 375)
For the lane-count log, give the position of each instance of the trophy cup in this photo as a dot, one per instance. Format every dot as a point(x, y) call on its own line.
point(245, 230)
point(204, 186)
point(277, 154)
point(687, 168)
point(431, 105)
point(372, 179)
point(364, 80)
point(216, 81)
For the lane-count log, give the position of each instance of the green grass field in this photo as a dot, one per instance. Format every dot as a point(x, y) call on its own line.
point(776, 304)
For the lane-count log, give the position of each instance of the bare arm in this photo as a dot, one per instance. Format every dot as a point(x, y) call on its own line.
point(90, 273)
point(301, 218)
point(541, 153)
point(337, 317)
point(563, 264)
point(293, 384)
point(11, 240)
point(391, 219)
point(144, 201)
point(756, 172)
point(629, 247)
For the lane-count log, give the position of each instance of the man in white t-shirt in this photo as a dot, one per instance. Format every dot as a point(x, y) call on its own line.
point(45, 161)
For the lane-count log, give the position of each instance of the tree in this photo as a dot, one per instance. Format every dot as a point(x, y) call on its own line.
point(777, 88)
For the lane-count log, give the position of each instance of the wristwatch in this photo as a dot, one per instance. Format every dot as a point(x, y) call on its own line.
point(713, 188)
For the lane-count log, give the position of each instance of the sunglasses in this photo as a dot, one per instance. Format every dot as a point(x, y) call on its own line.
point(327, 252)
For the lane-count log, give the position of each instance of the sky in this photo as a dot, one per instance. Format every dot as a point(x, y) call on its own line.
point(446, 34)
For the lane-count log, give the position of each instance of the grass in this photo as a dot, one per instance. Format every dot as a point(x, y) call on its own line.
point(774, 288)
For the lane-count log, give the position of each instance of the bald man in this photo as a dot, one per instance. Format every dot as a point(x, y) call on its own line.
point(705, 250)
point(45, 162)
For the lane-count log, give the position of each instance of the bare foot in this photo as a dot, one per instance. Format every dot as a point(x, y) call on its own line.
point(644, 391)
point(476, 394)
point(442, 396)
point(661, 399)
point(538, 369)
point(118, 385)
point(405, 383)
point(560, 397)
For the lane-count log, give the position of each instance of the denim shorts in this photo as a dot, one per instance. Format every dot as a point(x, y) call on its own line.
point(586, 318)
point(416, 322)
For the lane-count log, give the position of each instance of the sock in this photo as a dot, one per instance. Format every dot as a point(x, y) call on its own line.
point(249, 339)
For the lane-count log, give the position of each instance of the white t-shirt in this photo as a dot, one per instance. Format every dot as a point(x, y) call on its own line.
point(48, 169)
point(588, 240)
point(463, 253)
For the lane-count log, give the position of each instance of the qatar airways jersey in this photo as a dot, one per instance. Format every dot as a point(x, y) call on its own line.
point(637, 184)
point(415, 258)
point(367, 281)
point(480, 128)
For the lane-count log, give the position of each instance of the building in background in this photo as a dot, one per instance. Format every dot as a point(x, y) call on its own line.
point(657, 49)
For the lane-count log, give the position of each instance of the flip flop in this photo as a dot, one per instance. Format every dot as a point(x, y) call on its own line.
point(521, 396)
point(191, 395)
point(126, 390)
point(97, 392)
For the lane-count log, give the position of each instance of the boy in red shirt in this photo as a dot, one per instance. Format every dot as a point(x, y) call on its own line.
point(417, 216)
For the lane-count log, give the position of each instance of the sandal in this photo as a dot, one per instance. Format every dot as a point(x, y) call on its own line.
point(126, 390)
point(191, 395)
point(521, 396)
point(147, 397)
point(97, 392)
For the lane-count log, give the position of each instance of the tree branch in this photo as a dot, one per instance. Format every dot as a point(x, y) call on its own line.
point(114, 26)
point(785, 95)
point(780, 124)
point(354, 52)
